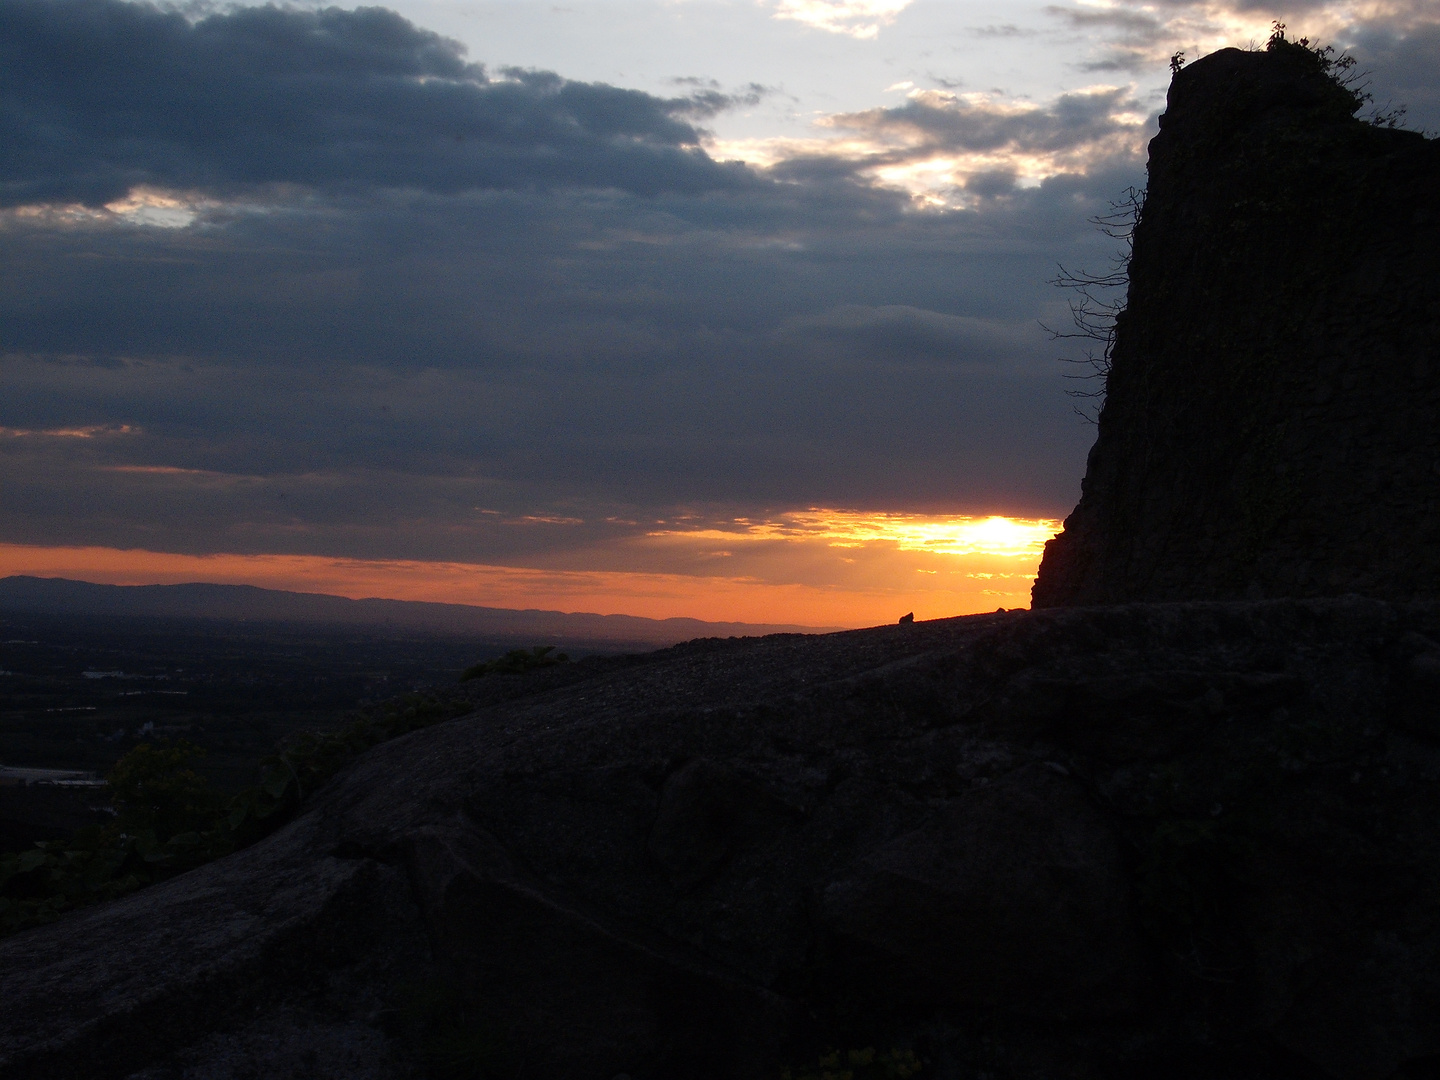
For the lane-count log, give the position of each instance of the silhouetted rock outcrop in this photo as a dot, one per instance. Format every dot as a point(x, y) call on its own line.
point(1178, 840)
point(1272, 421)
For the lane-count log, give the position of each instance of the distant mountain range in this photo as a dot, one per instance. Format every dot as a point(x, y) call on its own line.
point(247, 603)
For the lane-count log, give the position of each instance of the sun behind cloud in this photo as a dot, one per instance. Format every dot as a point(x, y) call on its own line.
point(961, 535)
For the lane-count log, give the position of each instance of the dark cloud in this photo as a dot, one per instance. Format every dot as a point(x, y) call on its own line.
point(573, 312)
point(1006, 30)
point(392, 367)
point(706, 99)
point(1402, 70)
point(99, 96)
point(901, 334)
point(991, 183)
point(1135, 26)
point(1132, 37)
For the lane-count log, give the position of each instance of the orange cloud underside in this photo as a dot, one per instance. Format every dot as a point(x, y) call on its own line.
point(816, 568)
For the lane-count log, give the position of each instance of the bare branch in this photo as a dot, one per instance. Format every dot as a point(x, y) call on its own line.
point(1096, 304)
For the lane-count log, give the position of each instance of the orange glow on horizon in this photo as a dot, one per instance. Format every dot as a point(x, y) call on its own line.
point(954, 535)
point(818, 568)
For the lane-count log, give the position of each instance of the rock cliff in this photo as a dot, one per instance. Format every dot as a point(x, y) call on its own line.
point(1272, 421)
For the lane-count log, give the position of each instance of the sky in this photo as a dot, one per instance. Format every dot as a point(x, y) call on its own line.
point(731, 309)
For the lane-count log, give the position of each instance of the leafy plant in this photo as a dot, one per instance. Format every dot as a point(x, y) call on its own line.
point(515, 662)
point(154, 788)
point(169, 821)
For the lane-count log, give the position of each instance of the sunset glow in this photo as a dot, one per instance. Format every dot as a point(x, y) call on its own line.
point(814, 567)
point(961, 535)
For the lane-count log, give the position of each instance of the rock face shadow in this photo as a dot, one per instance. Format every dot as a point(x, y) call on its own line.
point(1012, 896)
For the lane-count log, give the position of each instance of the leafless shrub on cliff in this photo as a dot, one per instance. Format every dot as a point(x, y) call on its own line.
point(1095, 305)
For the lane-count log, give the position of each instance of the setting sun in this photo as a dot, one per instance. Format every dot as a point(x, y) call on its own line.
point(1021, 537)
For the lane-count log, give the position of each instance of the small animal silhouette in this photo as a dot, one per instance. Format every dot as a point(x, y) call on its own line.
point(907, 618)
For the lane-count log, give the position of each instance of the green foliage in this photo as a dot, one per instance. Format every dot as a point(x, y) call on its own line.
point(154, 788)
point(165, 823)
point(169, 821)
point(50, 878)
point(515, 662)
point(859, 1065)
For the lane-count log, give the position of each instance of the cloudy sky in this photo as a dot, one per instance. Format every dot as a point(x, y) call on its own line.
point(721, 308)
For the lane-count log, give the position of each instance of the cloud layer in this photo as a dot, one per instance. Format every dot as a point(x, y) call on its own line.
point(102, 97)
point(314, 282)
point(857, 18)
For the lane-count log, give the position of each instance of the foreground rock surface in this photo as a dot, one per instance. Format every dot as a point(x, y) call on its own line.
point(1180, 840)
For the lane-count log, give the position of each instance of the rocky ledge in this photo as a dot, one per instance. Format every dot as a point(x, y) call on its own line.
point(1181, 840)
